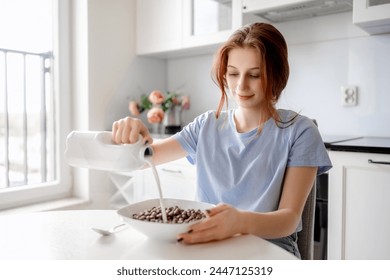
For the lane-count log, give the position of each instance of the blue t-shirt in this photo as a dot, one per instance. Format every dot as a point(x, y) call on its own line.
point(246, 170)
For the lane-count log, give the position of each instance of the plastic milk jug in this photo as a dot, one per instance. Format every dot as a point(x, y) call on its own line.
point(96, 150)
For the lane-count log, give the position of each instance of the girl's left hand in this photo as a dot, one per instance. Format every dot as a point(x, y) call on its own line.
point(222, 222)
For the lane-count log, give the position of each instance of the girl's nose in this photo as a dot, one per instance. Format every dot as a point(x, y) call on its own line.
point(241, 84)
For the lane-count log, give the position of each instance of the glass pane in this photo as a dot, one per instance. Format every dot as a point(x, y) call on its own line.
point(211, 16)
point(27, 106)
point(26, 25)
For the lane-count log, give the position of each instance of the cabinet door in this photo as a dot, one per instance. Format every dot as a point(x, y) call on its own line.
point(158, 26)
point(359, 208)
point(372, 15)
point(209, 22)
point(177, 180)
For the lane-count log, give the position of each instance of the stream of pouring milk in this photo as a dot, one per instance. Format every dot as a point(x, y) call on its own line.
point(157, 178)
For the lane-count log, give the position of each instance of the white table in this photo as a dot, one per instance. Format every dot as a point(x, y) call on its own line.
point(66, 235)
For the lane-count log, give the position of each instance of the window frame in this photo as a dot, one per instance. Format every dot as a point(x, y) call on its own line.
point(62, 186)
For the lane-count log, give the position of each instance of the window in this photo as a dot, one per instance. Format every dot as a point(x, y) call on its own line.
point(32, 45)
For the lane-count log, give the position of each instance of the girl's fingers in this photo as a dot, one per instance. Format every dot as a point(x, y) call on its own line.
point(125, 137)
point(205, 230)
point(217, 209)
point(203, 225)
point(147, 138)
point(219, 224)
point(116, 133)
point(199, 236)
point(128, 131)
point(199, 233)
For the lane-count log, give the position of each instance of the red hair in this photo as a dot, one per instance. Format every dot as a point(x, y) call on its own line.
point(272, 47)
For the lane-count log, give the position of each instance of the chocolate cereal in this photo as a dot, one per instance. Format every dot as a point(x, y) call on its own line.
point(175, 215)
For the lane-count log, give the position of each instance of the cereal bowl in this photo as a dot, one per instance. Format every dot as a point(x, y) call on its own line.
point(159, 230)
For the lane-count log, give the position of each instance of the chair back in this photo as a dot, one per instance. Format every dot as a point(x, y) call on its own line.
point(306, 235)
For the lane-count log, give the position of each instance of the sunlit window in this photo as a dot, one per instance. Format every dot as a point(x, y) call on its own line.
point(28, 99)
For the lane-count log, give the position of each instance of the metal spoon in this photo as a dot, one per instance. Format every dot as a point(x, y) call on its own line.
point(106, 232)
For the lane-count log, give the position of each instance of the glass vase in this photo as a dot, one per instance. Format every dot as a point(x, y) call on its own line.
point(156, 128)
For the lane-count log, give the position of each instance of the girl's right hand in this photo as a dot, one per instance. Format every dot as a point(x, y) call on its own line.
point(127, 131)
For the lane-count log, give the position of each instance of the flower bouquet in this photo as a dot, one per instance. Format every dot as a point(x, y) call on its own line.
point(157, 104)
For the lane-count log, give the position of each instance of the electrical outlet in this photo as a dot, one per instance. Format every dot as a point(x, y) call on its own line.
point(349, 96)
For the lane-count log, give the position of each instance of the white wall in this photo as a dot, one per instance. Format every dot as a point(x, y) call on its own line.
point(320, 69)
point(106, 74)
point(324, 53)
point(193, 76)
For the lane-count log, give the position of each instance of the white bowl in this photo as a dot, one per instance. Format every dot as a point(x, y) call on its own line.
point(155, 230)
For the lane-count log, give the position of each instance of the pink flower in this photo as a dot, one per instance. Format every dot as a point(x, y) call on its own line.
point(133, 108)
point(185, 102)
point(155, 115)
point(156, 97)
point(175, 100)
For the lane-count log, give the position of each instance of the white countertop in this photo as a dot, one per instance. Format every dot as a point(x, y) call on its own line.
point(68, 235)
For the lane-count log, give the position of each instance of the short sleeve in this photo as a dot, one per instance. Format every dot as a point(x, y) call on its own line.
point(189, 135)
point(307, 147)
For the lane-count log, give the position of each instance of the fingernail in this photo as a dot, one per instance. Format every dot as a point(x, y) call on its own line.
point(180, 239)
point(190, 231)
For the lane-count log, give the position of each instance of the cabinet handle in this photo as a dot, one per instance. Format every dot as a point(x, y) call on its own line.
point(171, 171)
point(378, 162)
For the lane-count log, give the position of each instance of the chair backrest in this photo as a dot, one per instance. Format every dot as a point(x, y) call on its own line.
point(306, 235)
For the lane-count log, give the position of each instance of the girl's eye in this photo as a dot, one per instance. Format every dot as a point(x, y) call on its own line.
point(232, 74)
point(254, 76)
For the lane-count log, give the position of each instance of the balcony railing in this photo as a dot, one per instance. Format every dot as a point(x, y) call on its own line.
point(27, 119)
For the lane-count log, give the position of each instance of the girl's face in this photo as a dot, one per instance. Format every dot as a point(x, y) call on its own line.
point(243, 77)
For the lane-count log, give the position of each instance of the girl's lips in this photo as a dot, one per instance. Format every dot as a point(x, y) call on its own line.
point(245, 97)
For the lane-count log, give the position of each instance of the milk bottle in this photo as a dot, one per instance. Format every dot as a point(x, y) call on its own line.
point(96, 150)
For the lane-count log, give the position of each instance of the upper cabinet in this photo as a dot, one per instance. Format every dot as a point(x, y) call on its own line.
point(372, 15)
point(208, 22)
point(175, 27)
point(172, 28)
point(158, 26)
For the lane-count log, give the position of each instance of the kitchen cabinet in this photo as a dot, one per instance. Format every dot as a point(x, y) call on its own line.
point(208, 22)
point(372, 15)
point(173, 28)
point(158, 26)
point(177, 180)
point(359, 191)
point(176, 27)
